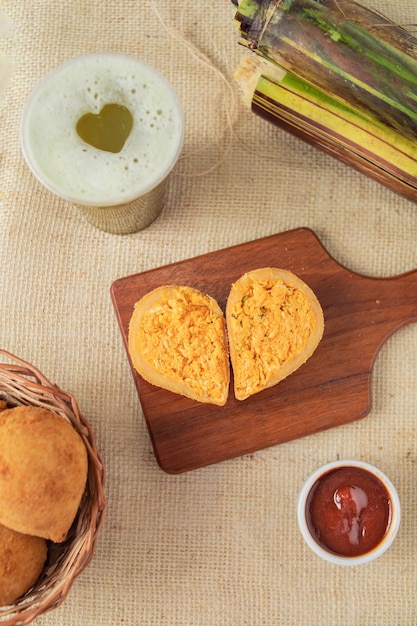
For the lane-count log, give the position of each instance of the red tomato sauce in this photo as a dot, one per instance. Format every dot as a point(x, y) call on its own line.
point(348, 511)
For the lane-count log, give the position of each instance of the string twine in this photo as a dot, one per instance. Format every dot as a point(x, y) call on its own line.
point(226, 134)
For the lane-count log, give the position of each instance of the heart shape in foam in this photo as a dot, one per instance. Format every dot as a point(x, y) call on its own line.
point(107, 130)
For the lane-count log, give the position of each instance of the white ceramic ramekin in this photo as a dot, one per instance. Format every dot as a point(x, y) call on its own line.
point(311, 541)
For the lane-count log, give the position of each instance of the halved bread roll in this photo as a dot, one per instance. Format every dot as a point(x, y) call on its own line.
point(177, 340)
point(274, 324)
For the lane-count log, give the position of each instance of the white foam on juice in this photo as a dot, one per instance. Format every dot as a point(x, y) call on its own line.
point(79, 172)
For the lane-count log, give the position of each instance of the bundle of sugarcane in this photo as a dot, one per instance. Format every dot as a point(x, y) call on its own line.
point(338, 75)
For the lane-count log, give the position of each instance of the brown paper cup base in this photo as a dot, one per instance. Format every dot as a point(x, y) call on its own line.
point(126, 219)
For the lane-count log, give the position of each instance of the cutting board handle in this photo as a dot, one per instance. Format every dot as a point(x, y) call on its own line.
point(398, 297)
point(411, 278)
point(410, 283)
point(372, 308)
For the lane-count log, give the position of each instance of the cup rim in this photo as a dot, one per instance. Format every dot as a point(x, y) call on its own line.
point(138, 192)
point(387, 539)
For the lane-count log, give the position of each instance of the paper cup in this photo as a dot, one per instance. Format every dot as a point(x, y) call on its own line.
point(118, 191)
point(363, 500)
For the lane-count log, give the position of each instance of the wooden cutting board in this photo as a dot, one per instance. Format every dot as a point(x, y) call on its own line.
point(331, 389)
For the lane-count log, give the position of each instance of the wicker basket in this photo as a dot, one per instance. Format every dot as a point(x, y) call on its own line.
point(21, 383)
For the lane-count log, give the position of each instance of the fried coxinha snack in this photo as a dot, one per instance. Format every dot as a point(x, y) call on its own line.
point(43, 472)
point(177, 336)
point(22, 558)
point(274, 324)
point(177, 340)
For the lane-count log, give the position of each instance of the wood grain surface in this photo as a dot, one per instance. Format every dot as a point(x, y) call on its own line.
point(331, 389)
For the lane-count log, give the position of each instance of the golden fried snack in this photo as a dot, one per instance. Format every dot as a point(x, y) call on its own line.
point(3, 405)
point(274, 324)
point(177, 340)
point(22, 558)
point(43, 471)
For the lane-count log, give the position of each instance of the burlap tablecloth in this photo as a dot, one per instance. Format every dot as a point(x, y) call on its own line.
point(218, 546)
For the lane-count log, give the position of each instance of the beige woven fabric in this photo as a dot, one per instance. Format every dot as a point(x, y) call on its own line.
point(219, 546)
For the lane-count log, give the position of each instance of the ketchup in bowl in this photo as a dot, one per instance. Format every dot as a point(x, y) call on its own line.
point(349, 512)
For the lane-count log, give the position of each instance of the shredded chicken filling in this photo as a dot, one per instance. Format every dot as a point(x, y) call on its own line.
point(183, 339)
point(271, 325)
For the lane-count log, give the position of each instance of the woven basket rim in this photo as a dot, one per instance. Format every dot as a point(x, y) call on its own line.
point(23, 384)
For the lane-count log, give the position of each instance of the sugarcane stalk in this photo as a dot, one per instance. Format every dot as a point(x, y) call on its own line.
point(359, 57)
point(371, 146)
